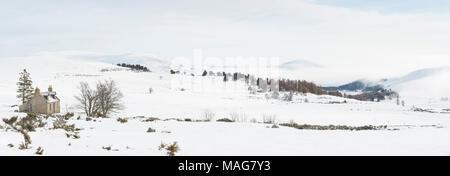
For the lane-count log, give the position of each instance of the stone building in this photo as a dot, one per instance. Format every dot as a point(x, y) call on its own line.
point(42, 103)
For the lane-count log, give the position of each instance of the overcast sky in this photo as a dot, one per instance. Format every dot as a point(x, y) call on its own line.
point(378, 37)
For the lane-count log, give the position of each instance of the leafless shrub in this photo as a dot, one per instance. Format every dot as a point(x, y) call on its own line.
point(243, 117)
point(238, 117)
point(288, 97)
point(291, 122)
point(150, 90)
point(87, 99)
point(105, 99)
point(253, 120)
point(170, 149)
point(234, 116)
point(109, 97)
point(208, 115)
point(275, 95)
point(10, 145)
point(253, 90)
point(269, 118)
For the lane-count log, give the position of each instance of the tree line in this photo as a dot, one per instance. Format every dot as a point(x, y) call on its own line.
point(137, 67)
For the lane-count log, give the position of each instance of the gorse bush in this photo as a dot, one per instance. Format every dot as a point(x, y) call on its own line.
point(31, 122)
point(100, 114)
point(333, 127)
point(66, 116)
point(171, 149)
point(106, 148)
point(59, 122)
point(122, 120)
point(224, 120)
point(72, 131)
point(151, 130)
point(39, 151)
point(150, 119)
point(23, 126)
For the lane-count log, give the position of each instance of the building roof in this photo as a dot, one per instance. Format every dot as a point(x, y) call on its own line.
point(50, 97)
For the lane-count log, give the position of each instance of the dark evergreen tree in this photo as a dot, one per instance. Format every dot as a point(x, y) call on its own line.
point(25, 87)
point(205, 73)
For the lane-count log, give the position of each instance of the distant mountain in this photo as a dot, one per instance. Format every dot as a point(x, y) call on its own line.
point(299, 63)
point(359, 85)
point(417, 75)
point(430, 82)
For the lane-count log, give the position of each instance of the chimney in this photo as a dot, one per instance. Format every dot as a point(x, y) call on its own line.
point(50, 89)
point(37, 91)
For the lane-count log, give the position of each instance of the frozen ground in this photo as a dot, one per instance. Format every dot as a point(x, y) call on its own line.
point(418, 133)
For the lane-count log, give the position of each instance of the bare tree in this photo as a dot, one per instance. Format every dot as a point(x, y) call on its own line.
point(109, 97)
point(87, 99)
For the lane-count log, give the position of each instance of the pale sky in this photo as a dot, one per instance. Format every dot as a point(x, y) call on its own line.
point(376, 38)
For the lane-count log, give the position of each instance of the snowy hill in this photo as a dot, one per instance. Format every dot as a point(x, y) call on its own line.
point(153, 62)
point(178, 97)
point(431, 82)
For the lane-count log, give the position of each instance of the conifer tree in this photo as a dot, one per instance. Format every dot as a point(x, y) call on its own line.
point(25, 88)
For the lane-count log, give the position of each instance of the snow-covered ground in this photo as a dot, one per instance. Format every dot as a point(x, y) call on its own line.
point(416, 133)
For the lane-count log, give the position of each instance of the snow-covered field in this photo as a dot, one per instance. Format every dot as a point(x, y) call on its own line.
point(408, 132)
